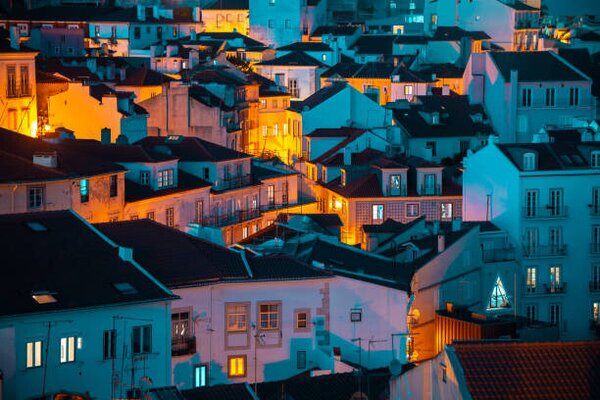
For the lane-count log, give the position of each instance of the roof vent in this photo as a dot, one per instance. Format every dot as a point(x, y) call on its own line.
point(125, 288)
point(44, 297)
point(49, 159)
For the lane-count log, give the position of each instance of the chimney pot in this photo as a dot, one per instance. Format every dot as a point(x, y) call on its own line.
point(441, 243)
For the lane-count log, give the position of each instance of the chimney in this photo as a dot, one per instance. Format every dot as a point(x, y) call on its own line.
point(14, 38)
point(456, 224)
point(441, 243)
point(141, 12)
point(197, 14)
point(445, 90)
point(105, 136)
point(49, 160)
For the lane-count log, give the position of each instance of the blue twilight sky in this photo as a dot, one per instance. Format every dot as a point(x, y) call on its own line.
point(573, 7)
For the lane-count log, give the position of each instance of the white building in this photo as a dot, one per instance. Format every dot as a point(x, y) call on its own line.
point(547, 197)
point(78, 315)
point(246, 317)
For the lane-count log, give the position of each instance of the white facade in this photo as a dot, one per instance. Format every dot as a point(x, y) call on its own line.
point(276, 22)
point(552, 219)
point(300, 80)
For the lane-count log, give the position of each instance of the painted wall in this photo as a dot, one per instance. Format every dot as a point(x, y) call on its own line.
point(19, 108)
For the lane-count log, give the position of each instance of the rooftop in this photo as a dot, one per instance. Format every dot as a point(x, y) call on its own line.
point(305, 46)
point(318, 97)
point(294, 58)
point(552, 156)
point(374, 44)
point(536, 66)
point(191, 148)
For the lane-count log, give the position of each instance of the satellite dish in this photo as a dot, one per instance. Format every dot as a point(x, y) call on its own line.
point(395, 367)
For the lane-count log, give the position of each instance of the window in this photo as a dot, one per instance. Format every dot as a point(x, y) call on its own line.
point(271, 195)
point(271, 23)
point(408, 90)
point(556, 202)
point(377, 212)
point(271, 2)
point(356, 315)
point(531, 197)
point(446, 211)
point(531, 279)
point(275, 130)
point(301, 359)
point(141, 339)
point(343, 177)
point(574, 97)
point(159, 32)
point(244, 232)
point(11, 73)
point(412, 210)
point(34, 354)
point(206, 173)
point(265, 131)
point(554, 314)
point(302, 320)
point(526, 97)
point(109, 344)
point(498, 298)
point(323, 57)
point(166, 178)
point(144, 178)
point(429, 185)
point(529, 161)
point(595, 282)
point(174, 31)
point(113, 186)
point(596, 313)
point(285, 129)
point(97, 30)
point(150, 215)
point(36, 198)
point(198, 211)
point(180, 324)
point(25, 89)
point(395, 182)
point(236, 366)
point(555, 278)
point(67, 349)
point(236, 317)
point(137, 32)
point(263, 102)
point(268, 316)
point(595, 159)
point(84, 190)
point(200, 372)
point(294, 90)
point(595, 239)
point(555, 238)
point(170, 217)
point(288, 24)
point(550, 97)
point(531, 313)
point(23, 29)
point(444, 373)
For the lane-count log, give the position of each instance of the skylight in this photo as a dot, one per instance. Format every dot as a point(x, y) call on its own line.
point(36, 226)
point(43, 297)
point(125, 288)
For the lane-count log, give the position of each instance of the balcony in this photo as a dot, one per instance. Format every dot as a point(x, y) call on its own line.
point(544, 212)
point(395, 191)
point(594, 286)
point(594, 210)
point(233, 182)
point(230, 218)
point(430, 190)
point(544, 251)
point(527, 24)
point(18, 91)
point(183, 345)
point(498, 255)
point(555, 288)
point(595, 249)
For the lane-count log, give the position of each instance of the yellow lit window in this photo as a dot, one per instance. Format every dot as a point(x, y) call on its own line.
point(237, 366)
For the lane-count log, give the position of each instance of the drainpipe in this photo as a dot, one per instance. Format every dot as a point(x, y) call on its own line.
point(12, 204)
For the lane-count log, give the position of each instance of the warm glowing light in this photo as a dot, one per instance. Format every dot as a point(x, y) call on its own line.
point(338, 204)
point(33, 129)
point(47, 128)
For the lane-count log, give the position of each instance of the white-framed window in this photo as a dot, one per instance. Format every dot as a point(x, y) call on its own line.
point(275, 130)
point(531, 279)
point(181, 324)
point(170, 217)
point(67, 349)
point(36, 198)
point(302, 320)
point(200, 377)
point(23, 29)
point(166, 178)
point(34, 354)
point(269, 316)
point(595, 159)
point(412, 210)
point(141, 339)
point(356, 315)
point(271, 195)
point(198, 211)
point(377, 212)
point(144, 178)
point(529, 161)
point(408, 90)
point(236, 317)
point(285, 129)
point(244, 232)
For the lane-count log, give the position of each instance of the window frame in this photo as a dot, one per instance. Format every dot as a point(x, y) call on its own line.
point(109, 344)
point(68, 347)
point(113, 185)
point(37, 360)
point(415, 206)
point(269, 314)
point(199, 367)
point(42, 197)
point(228, 327)
point(84, 191)
point(144, 348)
point(244, 366)
point(307, 320)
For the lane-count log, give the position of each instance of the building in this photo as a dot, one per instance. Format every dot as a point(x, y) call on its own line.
point(64, 332)
point(545, 195)
point(226, 329)
point(143, 82)
point(38, 176)
point(227, 16)
point(465, 370)
point(525, 91)
point(18, 88)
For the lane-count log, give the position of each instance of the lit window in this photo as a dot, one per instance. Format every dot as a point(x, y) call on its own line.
point(446, 211)
point(356, 315)
point(268, 316)
point(200, 375)
point(236, 366)
point(408, 90)
point(596, 312)
point(377, 212)
point(531, 279)
point(165, 178)
point(498, 298)
point(275, 130)
point(324, 57)
point(237, 317)
point(34, 354)
point(244, 232)
point(264, 131)
point(110, 344)
point(43, 297)
point(84, 190)
point(67, 349)
point(343, 177)
point(36, 198)
point(412, 210)
point(141, 339)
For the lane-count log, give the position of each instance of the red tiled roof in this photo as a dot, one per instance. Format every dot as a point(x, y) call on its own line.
point(556, 370)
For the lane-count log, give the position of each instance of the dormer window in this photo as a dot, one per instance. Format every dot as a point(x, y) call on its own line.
point(529, 161)
point(595, 159)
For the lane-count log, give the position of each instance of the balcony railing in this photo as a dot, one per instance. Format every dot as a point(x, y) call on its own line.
point(527, 24)
point(544, 251)
point(594, 210)
point(430, 190)
point(18, 91)
point(230, 218)
point(545, 212)
point(594, 286)
point(395, 191)
point(233, 182)
point(555, 288)
point(498, 255)
point(595, 249)
point(183, 345)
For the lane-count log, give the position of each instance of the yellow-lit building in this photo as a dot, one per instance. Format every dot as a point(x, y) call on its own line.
point(226, 17)
point(17, 88)
point(143, 82)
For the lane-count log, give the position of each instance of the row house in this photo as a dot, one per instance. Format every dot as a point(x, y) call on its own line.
point(546, 196)
point(372, 187)
point(39, 176)
point(525, 91)
point(444, 75)
point(98, 112)
point(340, 36)
point(318, 50)
point(245, 317)
point(240, 46)
point(17, 87)
point(62, 332)
point(227, 16)
point(442, 126)
point(297, 71)
point(451, 44)
point(511, 24)
point(144, 82)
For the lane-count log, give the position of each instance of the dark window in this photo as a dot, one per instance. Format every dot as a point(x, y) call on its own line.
point(433, 147)
point(301, 359)
point(110, 344)
point(159, 32)
point(574, 96)
point(137, 32)
point(114, 188)
point(36, 197)
point(141, 339)
point(550, 99)
point(526, 100)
